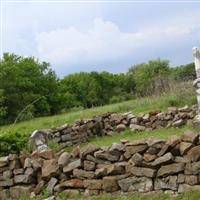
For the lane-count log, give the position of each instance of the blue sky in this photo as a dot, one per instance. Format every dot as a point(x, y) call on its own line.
point(98, 36)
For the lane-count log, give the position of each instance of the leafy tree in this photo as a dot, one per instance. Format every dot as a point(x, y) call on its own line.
point(25, 80)
point(184, 72)
point(147, 75)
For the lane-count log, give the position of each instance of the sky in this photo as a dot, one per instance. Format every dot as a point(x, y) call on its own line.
point(101, 36)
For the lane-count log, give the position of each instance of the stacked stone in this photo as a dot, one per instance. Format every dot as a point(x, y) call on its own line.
point(111, 123)
point(142, 166)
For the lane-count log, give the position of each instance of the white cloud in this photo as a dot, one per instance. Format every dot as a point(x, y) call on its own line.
point(104, 43)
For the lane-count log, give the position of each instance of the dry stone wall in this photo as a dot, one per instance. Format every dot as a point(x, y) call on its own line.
point(129, 166)
point(107, 124)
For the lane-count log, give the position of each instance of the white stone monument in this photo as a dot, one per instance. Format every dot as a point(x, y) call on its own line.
point(196, 84)
point(39, 140)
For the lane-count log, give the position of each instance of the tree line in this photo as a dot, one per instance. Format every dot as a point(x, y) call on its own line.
point(30, 88)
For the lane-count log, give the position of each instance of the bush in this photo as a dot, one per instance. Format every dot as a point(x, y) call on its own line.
point(12, 142)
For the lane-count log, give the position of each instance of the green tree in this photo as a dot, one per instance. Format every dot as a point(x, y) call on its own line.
point(23, 81)
point(150, 76)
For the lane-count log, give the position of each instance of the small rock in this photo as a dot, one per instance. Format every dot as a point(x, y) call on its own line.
point(178, 123)
point(170, 169)
point(21, 191)
point(93, 184)
point(135, 127)
point(120, 128)
point(64, 159)
point(88, 165)
point(110, 184)
point(141, 171)
point(184, 147)
point(71, 166)
point(79, 173)
point(141, 184)
point(49, 168)
point(3, 161)
point(51, 184)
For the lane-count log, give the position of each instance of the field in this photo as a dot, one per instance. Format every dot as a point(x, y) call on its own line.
point(137, 106)
point(14, 137)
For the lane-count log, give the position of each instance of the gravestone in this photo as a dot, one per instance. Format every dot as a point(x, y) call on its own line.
point(39, 140)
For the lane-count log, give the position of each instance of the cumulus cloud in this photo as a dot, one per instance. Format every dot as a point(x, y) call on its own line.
point(104, 43)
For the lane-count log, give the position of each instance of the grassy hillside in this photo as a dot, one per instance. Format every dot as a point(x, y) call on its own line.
point(15, 136)
point(140, 105)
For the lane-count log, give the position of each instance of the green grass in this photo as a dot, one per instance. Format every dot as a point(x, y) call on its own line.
point(141, 105)
point(129, 135)
point(192, 195)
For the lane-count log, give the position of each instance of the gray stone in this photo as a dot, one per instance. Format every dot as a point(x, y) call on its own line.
point(51, 184)
point(99, 173)
point(120, 128)
point(21, 191)
point(167, 158)
point(130, 150)
point(141, 184)
point(49, 168)
point(141, 171)
point(188, 188)
point(3, 161)
point(27, 163)
point(110, 184)
point(64, 159)
point(71, 166)
point(4, 194)
point(7, 174)
point(169, 182)
point(191, 179)
point(136, 159)
point(194, 154)
point(88, 165)
point(6, 183)
point(192, 168)
point(66, 137)
point(117, 147)
point(93, 184)
point(23, 178)
point(185, 147)
point(79, 173)
point(190, 137)
point(106, 156)
point(72, 183)
point(135, 127)
point(178, 123)
point(89, 150)
point(170, 169)
point(181, 178)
